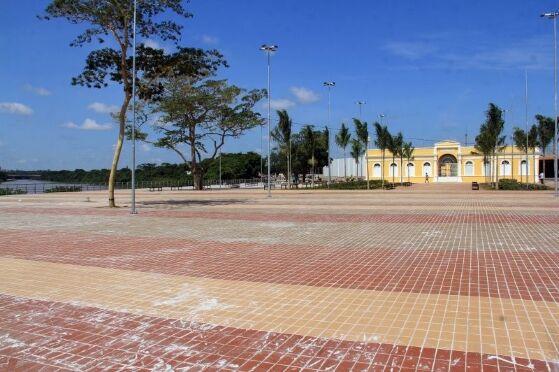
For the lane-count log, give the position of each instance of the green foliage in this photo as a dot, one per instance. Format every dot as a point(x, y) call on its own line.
point(64, 189)
point(3, 176)
point(11, 192)
point(343, 137)
point(309, 148)
point(237, 165)
point(233, 166)
point(357, 150)
point(545, 128)
point(354, 185)
point(512, 184)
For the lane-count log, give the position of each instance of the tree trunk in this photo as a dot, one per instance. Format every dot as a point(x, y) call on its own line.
point(345, 164)
point(401, 170)
point(382, 170)
point(118, 150)
point(194, 167)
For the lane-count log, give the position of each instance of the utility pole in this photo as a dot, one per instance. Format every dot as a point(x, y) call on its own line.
point(329, 85)
point(269, 49)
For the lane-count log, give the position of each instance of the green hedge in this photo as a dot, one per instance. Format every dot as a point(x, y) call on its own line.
point(64, 189)
point(11, 192)
point(357, 185)
point(511, 184)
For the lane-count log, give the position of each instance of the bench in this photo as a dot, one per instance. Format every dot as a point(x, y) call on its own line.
point(475, 186)
point(176, 187)
point(159, 188)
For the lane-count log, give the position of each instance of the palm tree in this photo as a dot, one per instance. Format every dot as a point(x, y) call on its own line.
point(520, 139)
point(484, 146)
point(407, 152)
point(309, 137)
point(282, 134)
point(490, 139)
point(382, 142)
point(342, 139)
point(362, 132)
point(394, 145)
point(356, 152)
point(533, 143)
point(546, 126)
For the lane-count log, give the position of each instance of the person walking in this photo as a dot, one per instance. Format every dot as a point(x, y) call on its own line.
point(541, 177)
point(426, 177)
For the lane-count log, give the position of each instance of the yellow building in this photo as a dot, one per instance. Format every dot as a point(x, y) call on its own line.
point(449, 161)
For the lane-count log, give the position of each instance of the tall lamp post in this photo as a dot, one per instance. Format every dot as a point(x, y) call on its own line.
point(553, 16)
point(329, 85)
point(361, 103)
point(133, 206)
point(269, 49)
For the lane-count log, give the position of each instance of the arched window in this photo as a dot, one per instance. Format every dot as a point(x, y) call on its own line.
point(377, 170)
point(427, 169)
point(393, 170)
point(505, 168)
point(469, 168)
point(523, 168)
point(410, 167)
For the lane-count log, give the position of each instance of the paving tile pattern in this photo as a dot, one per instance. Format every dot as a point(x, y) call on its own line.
point(490, 259)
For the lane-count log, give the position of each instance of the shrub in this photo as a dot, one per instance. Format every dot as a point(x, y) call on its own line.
point(512, 184)
point(12, 192)
point(357, 185)
point(64, 189)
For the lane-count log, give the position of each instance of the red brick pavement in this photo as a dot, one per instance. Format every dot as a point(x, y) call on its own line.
point(427, 218)
point(529, 275)
point(41, 334)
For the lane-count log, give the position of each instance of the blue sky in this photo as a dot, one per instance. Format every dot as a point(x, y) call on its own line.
point(430, 67)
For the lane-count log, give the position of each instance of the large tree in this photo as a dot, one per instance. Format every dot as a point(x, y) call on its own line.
point(491, 140)
point(407, 152)
point(309, 151)
point(113, 20)
point(382, 141)
point(362, 133)
point(394, 146)
point(520, 139)
point(342, 140)
point(356, 152)
point(546, 126)
point(200, 114)
point(282, 135)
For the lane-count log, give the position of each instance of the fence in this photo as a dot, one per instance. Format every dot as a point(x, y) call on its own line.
point(38, 188)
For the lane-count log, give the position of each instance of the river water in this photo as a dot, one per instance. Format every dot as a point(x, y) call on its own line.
point(38, 186)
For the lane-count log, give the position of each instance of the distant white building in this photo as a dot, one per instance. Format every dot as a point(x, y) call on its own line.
point(337, 168)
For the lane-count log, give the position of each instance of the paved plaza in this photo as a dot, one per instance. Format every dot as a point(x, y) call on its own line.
point(432, 277)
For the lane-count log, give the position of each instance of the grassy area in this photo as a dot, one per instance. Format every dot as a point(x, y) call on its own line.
point(64, 189)
point(358, 185)
point(511, 184)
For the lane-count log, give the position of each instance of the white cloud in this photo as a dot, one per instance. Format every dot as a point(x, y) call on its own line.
point(15, 108)
point(102, 108)
point(279, 104)
point(412, 50)
point(304, 95)
point(37, 90)
point(88, 124)
point(207, 39)
point(146, 147)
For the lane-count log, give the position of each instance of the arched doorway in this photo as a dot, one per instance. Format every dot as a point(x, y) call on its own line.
point(448, 166)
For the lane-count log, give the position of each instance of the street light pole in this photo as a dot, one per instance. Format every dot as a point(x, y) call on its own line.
point(361, 103)
point(329, 85)
point(268, 49)
point(133, 206)
point(553, 16)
